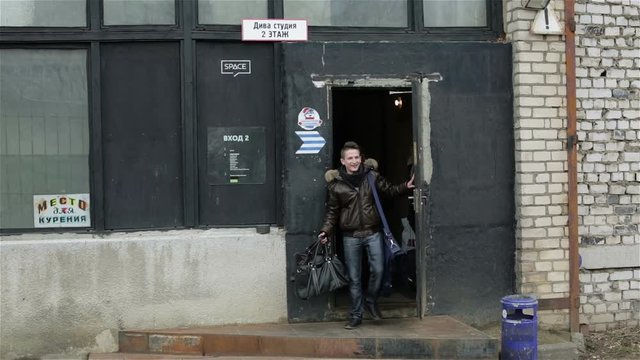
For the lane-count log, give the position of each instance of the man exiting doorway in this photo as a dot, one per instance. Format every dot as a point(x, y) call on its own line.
point(351, 206)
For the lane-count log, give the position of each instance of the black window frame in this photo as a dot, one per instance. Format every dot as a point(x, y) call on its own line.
point(415, 31)
point(187, 32)
point(186, 14)
point(177, 25)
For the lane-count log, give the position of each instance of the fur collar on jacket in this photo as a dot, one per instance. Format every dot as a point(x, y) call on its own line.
point(333, 174)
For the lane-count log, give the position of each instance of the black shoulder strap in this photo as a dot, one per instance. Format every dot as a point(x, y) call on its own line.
point(372, 185)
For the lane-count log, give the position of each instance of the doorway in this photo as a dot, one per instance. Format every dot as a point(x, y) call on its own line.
point(380, 121)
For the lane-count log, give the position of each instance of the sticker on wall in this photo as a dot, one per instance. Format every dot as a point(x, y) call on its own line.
point(312, 142)
point(235, 67)
point(62, 210)
point(309, 119)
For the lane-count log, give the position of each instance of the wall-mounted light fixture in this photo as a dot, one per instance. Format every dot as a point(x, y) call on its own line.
point(535, 4)
point(397, 102)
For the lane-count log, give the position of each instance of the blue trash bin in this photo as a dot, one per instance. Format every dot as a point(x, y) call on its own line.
point(519, 328)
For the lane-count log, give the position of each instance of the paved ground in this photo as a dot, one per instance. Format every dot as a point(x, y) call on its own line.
point(544, 336)
point(615, 344)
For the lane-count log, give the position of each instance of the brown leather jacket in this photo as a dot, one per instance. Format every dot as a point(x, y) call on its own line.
point(355, 210)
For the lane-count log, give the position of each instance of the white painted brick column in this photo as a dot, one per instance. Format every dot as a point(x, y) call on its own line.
point(542, 246)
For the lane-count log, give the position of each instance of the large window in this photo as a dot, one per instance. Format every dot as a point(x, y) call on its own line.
point(44, 135)
point(66, 13)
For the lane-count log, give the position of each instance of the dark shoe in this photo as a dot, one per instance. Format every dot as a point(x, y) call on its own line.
point(373, 311)
point(353, 324)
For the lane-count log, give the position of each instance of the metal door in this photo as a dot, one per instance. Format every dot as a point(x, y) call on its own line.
point(422, 170)
point(464, 159)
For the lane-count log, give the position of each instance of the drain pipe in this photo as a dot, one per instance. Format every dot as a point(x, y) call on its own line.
point(572, 140)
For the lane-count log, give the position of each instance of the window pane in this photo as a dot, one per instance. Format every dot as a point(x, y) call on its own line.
point(379, 13)
point(230, 12)
point(71, 13)
point(462, 13)
point(44, 133)
point(139, 12)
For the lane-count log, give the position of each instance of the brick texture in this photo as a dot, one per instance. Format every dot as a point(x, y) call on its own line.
point(608, 81)
point(608, 102)
point(541, 179)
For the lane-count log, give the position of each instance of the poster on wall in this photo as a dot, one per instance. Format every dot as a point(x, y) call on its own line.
point(236, 155)
point(61, 210)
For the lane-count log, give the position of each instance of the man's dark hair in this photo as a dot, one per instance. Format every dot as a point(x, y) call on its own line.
point(349, 145)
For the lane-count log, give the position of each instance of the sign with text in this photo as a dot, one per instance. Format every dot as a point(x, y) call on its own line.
point(236, 155)
point(62, 210)
point(274, 30)
point(235, 67)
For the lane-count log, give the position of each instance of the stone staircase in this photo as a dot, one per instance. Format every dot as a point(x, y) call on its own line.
point(435, 337)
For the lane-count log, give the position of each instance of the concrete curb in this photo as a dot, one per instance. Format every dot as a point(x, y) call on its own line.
point(564, 350)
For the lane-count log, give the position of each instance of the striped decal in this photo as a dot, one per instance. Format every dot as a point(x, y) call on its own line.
point(312, 142)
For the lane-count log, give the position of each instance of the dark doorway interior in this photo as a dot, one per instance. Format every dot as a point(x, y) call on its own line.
point(380, 121)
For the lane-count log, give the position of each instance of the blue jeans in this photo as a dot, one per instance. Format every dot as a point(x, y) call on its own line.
point(353, 248)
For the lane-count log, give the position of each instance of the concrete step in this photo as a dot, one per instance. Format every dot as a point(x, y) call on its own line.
point(131, 356)
point(435, 337)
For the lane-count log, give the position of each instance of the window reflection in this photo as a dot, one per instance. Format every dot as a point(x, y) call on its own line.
point(454, 13)
point(379, 13)
point(44, 129)
point(228, 12)
point(139, 12)
point(59, 13)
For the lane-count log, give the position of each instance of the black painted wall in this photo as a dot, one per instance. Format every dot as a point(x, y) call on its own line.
point(471, 245)
point(141, 135)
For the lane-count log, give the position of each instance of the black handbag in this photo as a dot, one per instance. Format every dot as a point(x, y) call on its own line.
point(332, 273)
point(318, 271)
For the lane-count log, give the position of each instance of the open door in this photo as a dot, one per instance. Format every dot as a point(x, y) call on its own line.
point(423, 169)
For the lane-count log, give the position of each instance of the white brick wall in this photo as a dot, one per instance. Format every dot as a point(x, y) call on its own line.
point(608, 84)
point(609, 298)
point(608, 101)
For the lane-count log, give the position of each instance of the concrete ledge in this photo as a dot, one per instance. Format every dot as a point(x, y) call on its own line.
point(71, 293)
point(610, 256)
